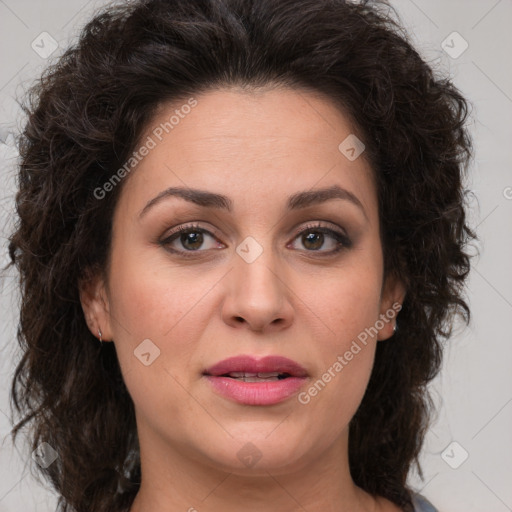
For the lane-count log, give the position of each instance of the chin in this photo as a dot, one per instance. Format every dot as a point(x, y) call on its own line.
point(258, 453)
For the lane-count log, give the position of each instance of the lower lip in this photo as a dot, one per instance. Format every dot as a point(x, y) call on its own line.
point(256, 393)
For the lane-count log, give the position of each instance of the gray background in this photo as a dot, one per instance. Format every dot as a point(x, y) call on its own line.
point(473, 391)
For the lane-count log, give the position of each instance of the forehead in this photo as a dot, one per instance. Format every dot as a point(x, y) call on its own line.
point(255, 144)
point(279, 118)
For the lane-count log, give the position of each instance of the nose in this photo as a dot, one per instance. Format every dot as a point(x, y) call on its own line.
point(257, 295)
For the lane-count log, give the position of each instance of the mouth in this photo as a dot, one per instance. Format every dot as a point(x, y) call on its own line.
point(270, 367)
point(256, 377)
point(251, 381)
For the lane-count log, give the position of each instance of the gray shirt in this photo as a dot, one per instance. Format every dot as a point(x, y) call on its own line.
point(421, 504)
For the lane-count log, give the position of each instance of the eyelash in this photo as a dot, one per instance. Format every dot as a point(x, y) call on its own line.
point(343, 240)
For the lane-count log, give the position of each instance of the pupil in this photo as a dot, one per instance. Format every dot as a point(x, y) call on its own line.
point(196, 238)
point(311, 236)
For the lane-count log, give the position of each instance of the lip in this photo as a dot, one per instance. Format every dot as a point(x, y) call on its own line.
point(256, 393)
point(251, 364)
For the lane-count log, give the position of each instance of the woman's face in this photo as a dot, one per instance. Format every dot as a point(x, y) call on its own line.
point(274, 267)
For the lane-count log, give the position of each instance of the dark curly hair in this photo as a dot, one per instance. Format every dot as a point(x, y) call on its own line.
point(85, 117)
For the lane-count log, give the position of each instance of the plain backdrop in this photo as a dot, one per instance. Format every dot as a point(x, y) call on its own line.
point(468, 451)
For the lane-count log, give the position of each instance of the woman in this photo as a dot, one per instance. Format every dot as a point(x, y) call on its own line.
point(241, 242)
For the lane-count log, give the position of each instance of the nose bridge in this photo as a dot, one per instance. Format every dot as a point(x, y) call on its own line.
point(257, 293)
point(256, 265)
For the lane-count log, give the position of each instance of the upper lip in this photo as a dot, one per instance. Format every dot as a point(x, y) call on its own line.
point(250, 364)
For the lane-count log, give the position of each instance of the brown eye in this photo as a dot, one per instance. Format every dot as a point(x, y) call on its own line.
point(188, 239)
point(195, 239)
point(314, 238)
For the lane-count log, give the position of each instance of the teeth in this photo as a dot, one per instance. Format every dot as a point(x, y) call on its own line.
point(260, 375)
point(269, 374)
point(255, 377)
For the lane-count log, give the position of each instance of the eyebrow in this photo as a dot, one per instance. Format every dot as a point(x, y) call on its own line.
point(296, 201)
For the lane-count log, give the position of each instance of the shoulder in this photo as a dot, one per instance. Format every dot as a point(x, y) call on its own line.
point(421, 504)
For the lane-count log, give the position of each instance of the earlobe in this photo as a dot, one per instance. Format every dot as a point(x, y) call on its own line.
point(96, 308)
point(392, 298)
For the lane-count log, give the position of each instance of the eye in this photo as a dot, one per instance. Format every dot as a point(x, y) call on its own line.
point(189, 238)
point(192, 238)
point(316, 236)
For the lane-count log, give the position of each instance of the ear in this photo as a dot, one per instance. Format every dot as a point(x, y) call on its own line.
point(392, 298)
point(95, 305)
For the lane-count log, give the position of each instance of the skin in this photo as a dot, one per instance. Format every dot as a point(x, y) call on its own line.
point(257, 148)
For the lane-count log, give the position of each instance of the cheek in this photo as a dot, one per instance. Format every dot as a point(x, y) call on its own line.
point(148, 302)
point(348, 349)
point(345, 301)
point(152, 297)
point(344, 312)
point(151, 303)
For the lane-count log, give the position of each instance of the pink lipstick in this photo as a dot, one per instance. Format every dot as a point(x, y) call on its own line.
point(252, 381)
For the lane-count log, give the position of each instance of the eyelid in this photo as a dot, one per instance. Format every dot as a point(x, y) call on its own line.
point(214, 232)
point(190, 227)
point(335, 232)
point(320, 225)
